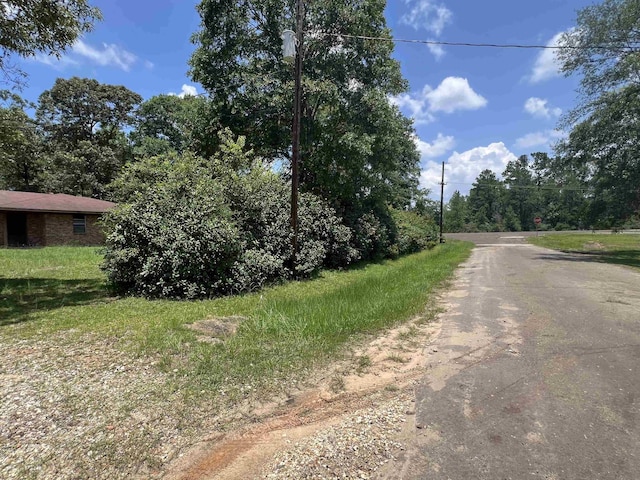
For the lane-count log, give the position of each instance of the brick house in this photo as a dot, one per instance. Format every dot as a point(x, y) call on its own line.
point(44, 219)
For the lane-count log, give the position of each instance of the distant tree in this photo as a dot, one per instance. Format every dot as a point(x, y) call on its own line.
point(169, 122)
point(82, 122)
point(511, 220)
point(78, 109)
point(424, 206)
point(563, 190)
point(456, 214)
point(29, 27)
point(486, 201)
point(20, 146)
point(521, 195)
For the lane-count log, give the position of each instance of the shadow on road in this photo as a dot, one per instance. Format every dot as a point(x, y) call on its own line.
point(630, 258)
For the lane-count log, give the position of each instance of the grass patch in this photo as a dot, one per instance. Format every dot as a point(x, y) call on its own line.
point(619, 249)
point(287, 328)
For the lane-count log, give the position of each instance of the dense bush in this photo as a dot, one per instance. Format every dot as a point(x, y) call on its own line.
point(177, 240)
point(372, 236)
point(413, 232)
point(390, 232)
point(206, 228)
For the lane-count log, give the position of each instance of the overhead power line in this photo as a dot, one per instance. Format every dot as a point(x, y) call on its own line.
point(479, 45)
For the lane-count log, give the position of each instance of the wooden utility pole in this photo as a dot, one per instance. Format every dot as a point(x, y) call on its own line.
point(295, 132)
point(442, 206)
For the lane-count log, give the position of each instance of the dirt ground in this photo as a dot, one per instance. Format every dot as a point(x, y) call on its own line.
point(380, 378)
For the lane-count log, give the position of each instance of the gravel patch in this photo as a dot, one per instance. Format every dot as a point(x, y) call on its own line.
point(353, 449)
point(75, 406)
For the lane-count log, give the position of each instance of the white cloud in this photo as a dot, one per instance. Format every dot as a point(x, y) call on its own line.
point(187, 90)
point(430, 16)
point(436, 50)
point(427, 15)
point(55, 62)
point(539, 139)
point(436, 148)
point(538, 108)
point(110, 55)
point(415, 105)
point(462, 169)
point(546, 65)
point(454, 93)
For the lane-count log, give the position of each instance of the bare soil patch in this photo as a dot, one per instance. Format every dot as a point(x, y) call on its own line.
point(215, 330)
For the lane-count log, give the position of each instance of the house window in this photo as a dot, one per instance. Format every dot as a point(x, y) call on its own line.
point(79, 224)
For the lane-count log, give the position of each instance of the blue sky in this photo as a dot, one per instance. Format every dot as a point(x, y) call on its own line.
point(474, 108)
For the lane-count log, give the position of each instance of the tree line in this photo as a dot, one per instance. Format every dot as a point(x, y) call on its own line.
point(592, 180)
point(530, 187)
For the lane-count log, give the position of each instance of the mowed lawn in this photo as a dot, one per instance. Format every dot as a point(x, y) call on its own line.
point(620, 249)
point(283, 329)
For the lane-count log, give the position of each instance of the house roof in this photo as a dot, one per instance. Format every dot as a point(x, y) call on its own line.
point(51, 202)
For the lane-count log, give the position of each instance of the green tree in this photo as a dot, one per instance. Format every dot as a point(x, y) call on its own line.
point(169, 122)
point(20, 146)
point(486, 201)
point(456, 214)
point(521, 196)
point(28, 27)
point(511, 221)
point(357, 150)
point(83, 121)
point(606, 146)
point(603, 48)
point(562, 189)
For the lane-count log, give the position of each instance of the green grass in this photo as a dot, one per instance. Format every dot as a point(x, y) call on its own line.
point(288, 328)
point(619, 249)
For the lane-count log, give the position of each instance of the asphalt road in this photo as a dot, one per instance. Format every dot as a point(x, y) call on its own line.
point(535, 373)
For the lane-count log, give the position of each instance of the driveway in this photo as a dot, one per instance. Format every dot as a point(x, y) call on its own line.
point(535, 373)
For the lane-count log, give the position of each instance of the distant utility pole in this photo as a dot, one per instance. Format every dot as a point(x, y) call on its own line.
point(442, 206)
point(295, 132)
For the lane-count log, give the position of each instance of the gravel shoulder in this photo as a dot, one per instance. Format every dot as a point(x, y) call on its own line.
point(80, 406)
point(75, 406)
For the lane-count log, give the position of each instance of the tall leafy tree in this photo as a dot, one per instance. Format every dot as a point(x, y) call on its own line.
point(29, 27)
point(607, 146)
point(357, 150)
point(603, 48)
point(82, 121)
point(169, 122)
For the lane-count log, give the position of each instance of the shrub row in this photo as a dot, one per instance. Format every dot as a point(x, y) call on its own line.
point(192, 228)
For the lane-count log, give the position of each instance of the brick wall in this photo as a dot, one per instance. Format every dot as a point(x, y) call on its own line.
point(35, 230)
point(59, 231)
point(3, 233)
